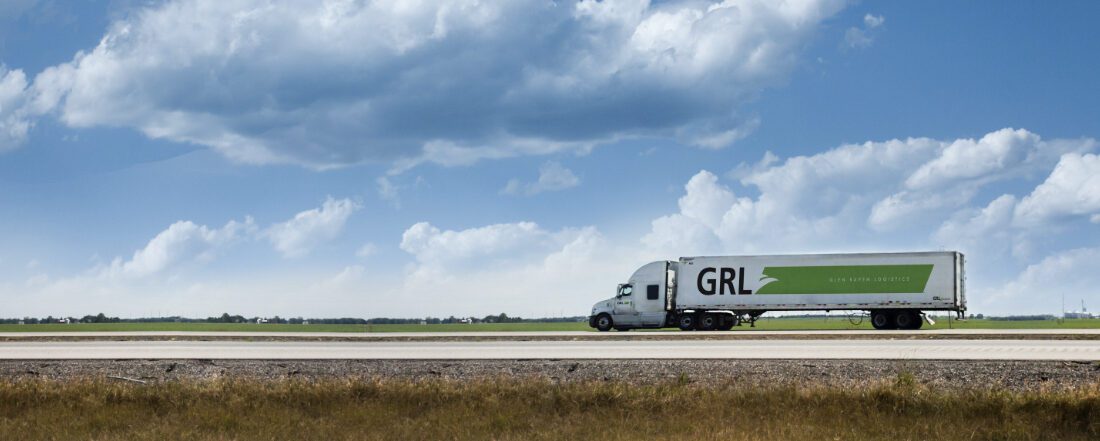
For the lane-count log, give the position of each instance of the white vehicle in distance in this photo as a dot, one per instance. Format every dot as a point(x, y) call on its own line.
point(720, 292)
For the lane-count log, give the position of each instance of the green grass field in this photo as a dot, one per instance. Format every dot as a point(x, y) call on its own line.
point(766, 324)
point(507, 409)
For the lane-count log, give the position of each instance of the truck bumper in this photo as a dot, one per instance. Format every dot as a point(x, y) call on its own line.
point(591, 321)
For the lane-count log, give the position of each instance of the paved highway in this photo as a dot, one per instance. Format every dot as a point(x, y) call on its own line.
point(903, 349)
point(556, 334)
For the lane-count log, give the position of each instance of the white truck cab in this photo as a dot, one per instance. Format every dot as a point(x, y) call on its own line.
point(638, 303)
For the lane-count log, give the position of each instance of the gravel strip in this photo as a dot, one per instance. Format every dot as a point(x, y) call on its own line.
point(1012, 375)
point(625, 336)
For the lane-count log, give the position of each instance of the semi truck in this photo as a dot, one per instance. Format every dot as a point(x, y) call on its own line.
point(710, 293)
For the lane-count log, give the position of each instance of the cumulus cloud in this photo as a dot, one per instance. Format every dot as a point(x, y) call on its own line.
point(890, 186)
point(182, 241)
point(1041, 286)
point(14, 121)
point(368, 249)
point(552, 177)
point(388, 191)
point(434, 247)
point(962, 167)
point(863, 37)
point(969, 158)
point(802, 200)
point(916, 193)
point(508, 266)
point(307, 229)
point(1073, 188)
point(331, 83)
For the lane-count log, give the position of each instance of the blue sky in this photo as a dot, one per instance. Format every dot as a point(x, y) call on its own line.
point(397, 159)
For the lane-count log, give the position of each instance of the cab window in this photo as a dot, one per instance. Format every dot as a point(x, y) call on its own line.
point(652, 292)
point(626, 290)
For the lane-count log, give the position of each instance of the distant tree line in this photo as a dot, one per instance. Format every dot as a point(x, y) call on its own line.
point(1023, 317)
point(237, 318)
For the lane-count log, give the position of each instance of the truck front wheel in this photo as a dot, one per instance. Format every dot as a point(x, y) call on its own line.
point(604, 323)
point(686, 322)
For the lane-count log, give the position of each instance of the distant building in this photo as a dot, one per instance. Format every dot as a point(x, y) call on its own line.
point(1078, 315)
point(1084, 314)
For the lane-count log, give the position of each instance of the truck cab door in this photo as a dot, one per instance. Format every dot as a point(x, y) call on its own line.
point(624, 305)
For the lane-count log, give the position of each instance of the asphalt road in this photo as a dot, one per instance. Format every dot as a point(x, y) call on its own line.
point(901, 349)
point(587, 334)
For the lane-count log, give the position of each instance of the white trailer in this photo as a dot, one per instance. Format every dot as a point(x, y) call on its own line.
point(719, 292)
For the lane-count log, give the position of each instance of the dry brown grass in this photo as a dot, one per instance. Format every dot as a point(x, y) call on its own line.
point(524, 410)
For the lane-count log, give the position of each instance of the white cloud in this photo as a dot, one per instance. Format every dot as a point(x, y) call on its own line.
point(299, 235)
point(1040, 287)
point(367, 250)
point(331, 83)
point(434, 247)
point(968, 158)
point(1073, 188)
point(962, 168)
point(974, 226)
point(912, 194)
point(519, 268)
point(388, 191)
point(181, 242)
point(873, 21)
point(14, 122)
point(859, 38)
point(552, 177)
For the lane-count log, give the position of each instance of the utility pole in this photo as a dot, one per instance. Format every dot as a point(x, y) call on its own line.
point(1063, 308)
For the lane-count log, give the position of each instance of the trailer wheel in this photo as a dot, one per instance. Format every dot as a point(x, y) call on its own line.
point(907, 320)
point(882, 320)
point(708, 322)
point(604, 323)
point(686, 322)
point(919, 320)
point(727, 322)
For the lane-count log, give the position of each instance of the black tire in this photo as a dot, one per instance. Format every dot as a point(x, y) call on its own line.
point(604, 323)
point(727, 324)
point(882, 320)
point(708, 322)
point(907, 320)
point(686, 322)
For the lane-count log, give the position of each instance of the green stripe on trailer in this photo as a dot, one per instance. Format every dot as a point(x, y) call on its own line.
point(846, 279)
